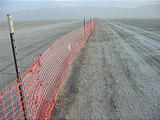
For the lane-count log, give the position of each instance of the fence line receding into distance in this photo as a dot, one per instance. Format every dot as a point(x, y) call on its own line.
point(42, 80)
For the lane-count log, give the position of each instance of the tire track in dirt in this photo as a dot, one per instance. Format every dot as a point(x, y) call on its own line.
point(123, 63)
point(152, 36)
point(134, 76)
point(136, 33)
point(147, 54)
point(129, 73)
point(114, 104)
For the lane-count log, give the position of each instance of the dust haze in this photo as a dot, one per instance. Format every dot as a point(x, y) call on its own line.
point(42, 10)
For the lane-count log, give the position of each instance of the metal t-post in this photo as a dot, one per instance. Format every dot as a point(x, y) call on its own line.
point(84, 29)
point(16, 60)
point(91, 24)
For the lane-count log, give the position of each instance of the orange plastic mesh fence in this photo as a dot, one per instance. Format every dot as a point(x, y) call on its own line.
point(41, 81)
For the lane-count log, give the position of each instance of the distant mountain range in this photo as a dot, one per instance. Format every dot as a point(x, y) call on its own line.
point(142, 12)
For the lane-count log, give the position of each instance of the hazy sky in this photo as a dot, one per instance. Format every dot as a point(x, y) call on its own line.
point(21, 6)
point(7, 6)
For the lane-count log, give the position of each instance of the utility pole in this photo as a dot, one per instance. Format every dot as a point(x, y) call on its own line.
point(16, 59)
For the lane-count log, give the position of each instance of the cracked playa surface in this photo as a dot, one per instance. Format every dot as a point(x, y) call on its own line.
point(115, 76)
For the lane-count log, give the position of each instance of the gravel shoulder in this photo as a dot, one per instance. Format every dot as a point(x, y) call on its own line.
point(115, 76)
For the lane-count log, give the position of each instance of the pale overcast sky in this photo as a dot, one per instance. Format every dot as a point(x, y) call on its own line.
point(7, 6)
point(20, 6)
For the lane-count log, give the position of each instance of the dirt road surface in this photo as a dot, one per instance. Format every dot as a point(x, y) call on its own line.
point(116, 76)
point(32, 39)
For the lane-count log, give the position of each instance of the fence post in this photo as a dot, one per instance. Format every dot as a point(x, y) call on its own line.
point(16, 59)
point(91, 24)
point(84, 25)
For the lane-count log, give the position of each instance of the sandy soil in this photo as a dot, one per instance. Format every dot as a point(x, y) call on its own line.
point(32, 38)
point(116, 76)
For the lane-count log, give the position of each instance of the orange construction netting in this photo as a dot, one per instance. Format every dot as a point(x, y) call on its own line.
point(41, 81)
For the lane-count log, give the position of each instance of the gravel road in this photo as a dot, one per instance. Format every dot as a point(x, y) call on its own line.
point(116, 76)
point(32, 38)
